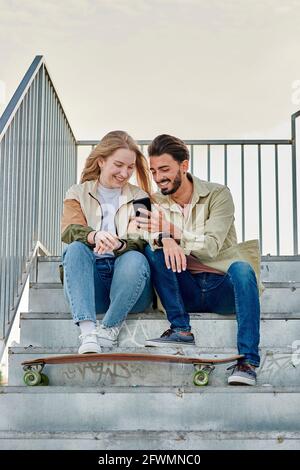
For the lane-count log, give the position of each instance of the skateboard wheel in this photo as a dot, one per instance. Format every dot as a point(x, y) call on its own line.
point(201, 378)
point(44, 379)
point(32, 378)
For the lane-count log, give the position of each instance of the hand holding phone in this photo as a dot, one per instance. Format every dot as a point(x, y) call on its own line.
point(143, 203)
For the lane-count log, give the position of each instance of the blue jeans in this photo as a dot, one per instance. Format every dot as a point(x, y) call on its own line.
point(234, 292)
point(114, 286)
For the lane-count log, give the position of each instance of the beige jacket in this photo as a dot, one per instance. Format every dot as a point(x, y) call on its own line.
point(208, 232)
point(82, 214)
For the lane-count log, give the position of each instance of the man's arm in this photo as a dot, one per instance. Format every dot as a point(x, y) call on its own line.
point(208, 238)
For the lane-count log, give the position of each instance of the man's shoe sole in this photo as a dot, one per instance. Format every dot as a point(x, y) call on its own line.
point(241, 381)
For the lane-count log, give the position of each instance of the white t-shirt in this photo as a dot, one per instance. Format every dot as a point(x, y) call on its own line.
point(109, 199)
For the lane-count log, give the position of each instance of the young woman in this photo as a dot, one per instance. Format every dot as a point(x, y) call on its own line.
point(104, 269)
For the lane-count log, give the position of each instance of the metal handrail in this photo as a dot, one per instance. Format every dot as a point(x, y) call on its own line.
point(38, 163)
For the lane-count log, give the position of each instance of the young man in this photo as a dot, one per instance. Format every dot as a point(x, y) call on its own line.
point(196, 263)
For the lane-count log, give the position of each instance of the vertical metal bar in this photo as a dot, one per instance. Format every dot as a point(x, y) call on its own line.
point(14, 212)
point(61, 156)
point(277, 202)
point(45, 165)
point(243, 189)
point(39, 155)
point(47, 214)
point(4, 277)
point(27, 173)
point(208, 162)
point(54, 183)
point(225, 165)
point(20, 180)
point(9, 217)
point(3, 163)
point(260, 199)
point(34, 174)
point(19, 171)
point(294, 185)
point(75, 156)
point(11, 228)
point(22, 189)
point(7, 225)
point(31, 154)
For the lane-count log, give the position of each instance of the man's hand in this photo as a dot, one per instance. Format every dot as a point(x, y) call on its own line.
point(174, 255)
point(106, 242)
point(156, 222)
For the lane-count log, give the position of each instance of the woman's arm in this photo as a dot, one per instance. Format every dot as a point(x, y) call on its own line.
point(73, 223)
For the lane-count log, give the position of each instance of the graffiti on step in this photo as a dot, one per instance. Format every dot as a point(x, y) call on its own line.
point(104, 373)
point(273, 363)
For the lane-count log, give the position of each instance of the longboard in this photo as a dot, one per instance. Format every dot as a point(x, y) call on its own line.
point(203, 365)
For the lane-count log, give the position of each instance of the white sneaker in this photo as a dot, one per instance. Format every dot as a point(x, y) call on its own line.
point(108, 336)
point(89, 343)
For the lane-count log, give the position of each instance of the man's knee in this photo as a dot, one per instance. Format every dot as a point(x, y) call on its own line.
point(242, 269)
point(154, 256)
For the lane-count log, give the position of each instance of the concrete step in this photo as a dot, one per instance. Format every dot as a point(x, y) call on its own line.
point(58, 329)
point(279, 367)
point(273, 268)
point(277, 298)
point(96, 409)
point(150, 440)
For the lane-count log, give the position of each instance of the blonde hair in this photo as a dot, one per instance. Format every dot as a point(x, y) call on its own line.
point(111, 142)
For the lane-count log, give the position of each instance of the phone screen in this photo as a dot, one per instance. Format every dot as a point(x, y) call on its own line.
point(143, 203)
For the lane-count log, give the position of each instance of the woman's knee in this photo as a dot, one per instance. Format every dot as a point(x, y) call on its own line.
point(133, 263)
point(76, 249)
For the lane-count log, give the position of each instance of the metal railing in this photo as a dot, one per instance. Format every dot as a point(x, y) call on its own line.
point(258, 145)
point(38, 155)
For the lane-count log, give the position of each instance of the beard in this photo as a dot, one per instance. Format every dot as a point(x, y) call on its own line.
point(176, 184)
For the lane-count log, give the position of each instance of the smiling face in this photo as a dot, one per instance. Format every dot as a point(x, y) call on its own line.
point(117, 169)
point(167, 172)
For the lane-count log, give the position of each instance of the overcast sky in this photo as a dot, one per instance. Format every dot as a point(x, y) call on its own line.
point(193, 68)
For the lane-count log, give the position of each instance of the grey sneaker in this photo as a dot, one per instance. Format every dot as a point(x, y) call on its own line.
point(89, 344)
point(242, 374)
point(171, 337)
point(108, 337)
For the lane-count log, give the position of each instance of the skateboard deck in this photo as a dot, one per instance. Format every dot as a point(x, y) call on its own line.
point(203, 365)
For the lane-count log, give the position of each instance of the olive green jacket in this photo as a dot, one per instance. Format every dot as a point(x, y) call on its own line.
point(208, 232)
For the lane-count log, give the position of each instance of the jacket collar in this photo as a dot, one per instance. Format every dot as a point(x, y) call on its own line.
point(128, 193)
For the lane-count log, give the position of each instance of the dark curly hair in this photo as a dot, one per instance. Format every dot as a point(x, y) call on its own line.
point(165, 143)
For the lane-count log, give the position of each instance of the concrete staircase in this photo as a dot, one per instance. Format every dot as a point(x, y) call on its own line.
point(155, 406)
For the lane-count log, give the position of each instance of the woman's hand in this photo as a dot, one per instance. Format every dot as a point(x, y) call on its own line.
point(174, 255)
point(106, 242)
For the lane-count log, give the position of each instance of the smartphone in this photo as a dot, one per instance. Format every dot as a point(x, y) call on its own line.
point(143, 203)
